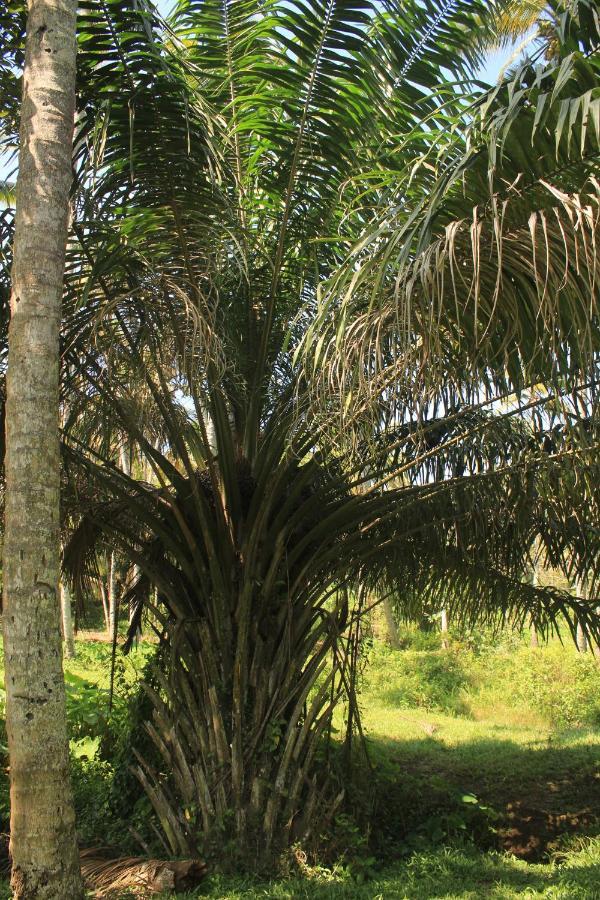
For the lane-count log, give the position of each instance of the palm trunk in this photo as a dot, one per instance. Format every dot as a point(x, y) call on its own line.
point(582, 644)
point(104, 600)
point(134, 572)
point(67, 621)
point(581, 591)
point(43, 844)
point(534, 641)
point(134, 575)
point(533, 635)
point(241, 732)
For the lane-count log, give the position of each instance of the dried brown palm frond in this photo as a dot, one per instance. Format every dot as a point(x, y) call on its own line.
point(111, 877)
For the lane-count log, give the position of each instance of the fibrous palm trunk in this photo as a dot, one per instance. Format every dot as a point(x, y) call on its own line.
point(45, 860)
point(239, 732)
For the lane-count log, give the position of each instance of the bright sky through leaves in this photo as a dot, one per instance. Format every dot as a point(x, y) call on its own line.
point(489, 73)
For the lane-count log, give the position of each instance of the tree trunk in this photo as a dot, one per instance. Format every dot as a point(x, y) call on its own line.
point(134, 574)
point(581, 591)
point(444, 628)
point(104, 600)
point(390, 621)
point(45, 859)
point(534, 641)
point(112, 599)
point(533, 635)
point(582, 644)
point(252, 752)
point(67, 621)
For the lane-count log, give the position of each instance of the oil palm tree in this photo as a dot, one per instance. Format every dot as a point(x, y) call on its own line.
point(227, 163)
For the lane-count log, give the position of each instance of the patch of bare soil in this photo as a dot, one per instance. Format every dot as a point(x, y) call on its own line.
point(534, 825)
point(532, 834)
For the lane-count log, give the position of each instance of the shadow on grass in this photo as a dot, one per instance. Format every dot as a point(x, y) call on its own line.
point(526, 799)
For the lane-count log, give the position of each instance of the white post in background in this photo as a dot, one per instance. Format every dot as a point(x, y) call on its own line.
point(444, 628)
point(67, 620)
point(581, 591)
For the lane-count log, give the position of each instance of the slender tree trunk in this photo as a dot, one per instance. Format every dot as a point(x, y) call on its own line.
point(104, 600)
point(134, 574)
point(112, 599)
point(444, 628)
point(582, 644)
point(43, 844)
point(581, 591)
point(533, 639)
point(67, 621)
point(390, 621)
point(125, 462)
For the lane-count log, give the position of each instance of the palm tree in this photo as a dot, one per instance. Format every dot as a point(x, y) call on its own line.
point(227, 163)
point(45, 860)
point(529, 22)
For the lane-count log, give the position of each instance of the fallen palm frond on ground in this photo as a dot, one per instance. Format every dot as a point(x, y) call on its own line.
point(107, 876)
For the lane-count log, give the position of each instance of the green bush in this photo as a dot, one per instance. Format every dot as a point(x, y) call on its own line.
point(560, 684)
point(408, 678)
point(414, 637)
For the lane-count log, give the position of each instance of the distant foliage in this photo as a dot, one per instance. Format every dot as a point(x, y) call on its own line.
point(431, 680)
point(556, 684)
point(563, 687)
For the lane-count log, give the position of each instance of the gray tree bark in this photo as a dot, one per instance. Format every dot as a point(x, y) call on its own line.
point(45, 859)
point(581, 591)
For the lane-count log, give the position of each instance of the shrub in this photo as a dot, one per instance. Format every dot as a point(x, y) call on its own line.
point(434, 680)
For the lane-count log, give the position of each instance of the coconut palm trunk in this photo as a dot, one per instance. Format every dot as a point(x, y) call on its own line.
point(43, 843)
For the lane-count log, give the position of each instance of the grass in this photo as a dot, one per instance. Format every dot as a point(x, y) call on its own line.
point(471, 750)
point(448, 873)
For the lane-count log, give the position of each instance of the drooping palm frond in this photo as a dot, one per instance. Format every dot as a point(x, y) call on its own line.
point(234, 137)
point(503, 252)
